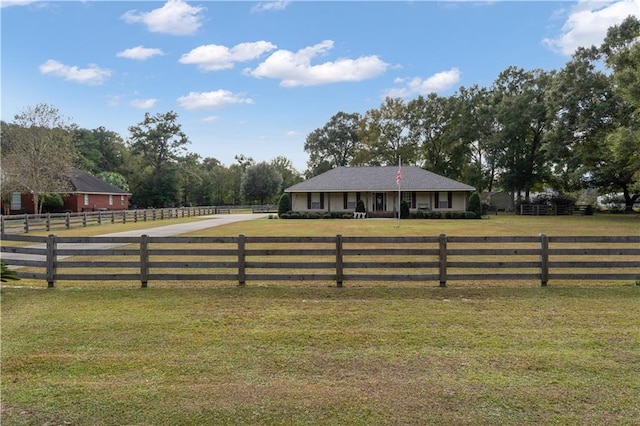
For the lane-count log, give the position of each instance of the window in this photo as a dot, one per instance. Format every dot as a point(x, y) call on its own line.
point(315, 201)
point(410, 198)
point(122, 200)
point(16, 201)
point(110, 199)
point(443, 200)
point(86, 199)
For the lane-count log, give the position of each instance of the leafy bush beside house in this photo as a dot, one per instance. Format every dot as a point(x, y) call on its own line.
point(284, 205)
point(474, 204)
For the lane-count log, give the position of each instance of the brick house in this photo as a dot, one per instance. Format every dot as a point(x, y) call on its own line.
point(87, 193)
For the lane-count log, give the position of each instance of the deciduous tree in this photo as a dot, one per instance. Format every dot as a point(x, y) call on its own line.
point(261, 183)
point(37, 152)
point(159, 140)
point(334, 144)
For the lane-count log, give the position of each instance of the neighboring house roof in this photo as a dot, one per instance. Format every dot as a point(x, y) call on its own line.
point(353, 179)
point(87, 183)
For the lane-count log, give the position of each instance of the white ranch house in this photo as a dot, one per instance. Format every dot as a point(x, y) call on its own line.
point(340, 189)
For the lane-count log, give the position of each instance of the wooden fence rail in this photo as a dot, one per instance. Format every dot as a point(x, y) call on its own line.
point(243, 259)
point(25, 223)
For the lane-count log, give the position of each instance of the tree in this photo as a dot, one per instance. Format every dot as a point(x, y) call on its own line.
point(284, 205)
point(159, 141)
point(261, 183)
point(595, 115)
point(477, 127)
point(622, 52)
point(432, 131)
point(210, 187)
point(475, 205)
point(384, 134)
point(284, 166)
point(115, 179)
point(100, 150)
point(37, 152)
point(333, 145)
point(520, 143)
point(191, 178)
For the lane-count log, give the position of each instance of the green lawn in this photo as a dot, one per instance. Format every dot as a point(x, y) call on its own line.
point(360, 355)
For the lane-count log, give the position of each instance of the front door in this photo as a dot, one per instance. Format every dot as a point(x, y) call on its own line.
point(380, 201)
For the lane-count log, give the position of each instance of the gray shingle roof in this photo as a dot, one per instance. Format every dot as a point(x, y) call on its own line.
point(84, 182)
point(353, 179)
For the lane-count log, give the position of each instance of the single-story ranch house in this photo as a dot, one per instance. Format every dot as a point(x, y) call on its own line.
point(86, 193)
point(340, 189)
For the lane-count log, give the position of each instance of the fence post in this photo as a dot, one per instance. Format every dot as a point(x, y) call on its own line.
point(339, 262)
point(2, 224)
point(26, 223)
point(48, 222)
point(242, 261)
point(51, 261)
point(443, 259)
point(144, 260)
point(544, 260)
point(84, 219)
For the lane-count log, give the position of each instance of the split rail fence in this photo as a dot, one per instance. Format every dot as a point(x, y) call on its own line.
point(439, 259)
point(25, 223)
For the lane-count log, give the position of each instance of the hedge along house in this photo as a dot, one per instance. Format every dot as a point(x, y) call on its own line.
point(340, 189)
point(86, 193)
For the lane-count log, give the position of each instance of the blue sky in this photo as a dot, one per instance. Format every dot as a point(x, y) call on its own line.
point(255, 78)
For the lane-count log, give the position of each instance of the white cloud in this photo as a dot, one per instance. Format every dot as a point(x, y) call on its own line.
point(295, 69)
point(214, 57)
point(215, 99)
point(143, 103)
point(211, 119)
point(417, 86)
point(292, 133)
point(93, 75)
point(267, 6)
point(175, 17)
point(139, 53)
point(588, 23)
point(7, 3)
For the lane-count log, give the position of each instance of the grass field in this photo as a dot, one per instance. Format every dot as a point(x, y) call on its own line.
point(295, 355)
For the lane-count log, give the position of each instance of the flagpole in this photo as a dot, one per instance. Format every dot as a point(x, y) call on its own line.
point(399, 179)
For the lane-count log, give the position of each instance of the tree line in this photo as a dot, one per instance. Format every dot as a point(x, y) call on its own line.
point(570, 129)
point(153, 163)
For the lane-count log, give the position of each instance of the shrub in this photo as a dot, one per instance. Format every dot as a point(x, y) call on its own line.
point(474, 204)
point(420, 214)
point(7, 274)
point(404, 209)
point(52, 203)
point(360, 207)
point(284, 205)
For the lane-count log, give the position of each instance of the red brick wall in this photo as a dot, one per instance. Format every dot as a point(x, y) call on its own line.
point(75, 203)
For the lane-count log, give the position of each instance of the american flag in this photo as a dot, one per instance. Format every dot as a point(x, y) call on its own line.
point(399, 175)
